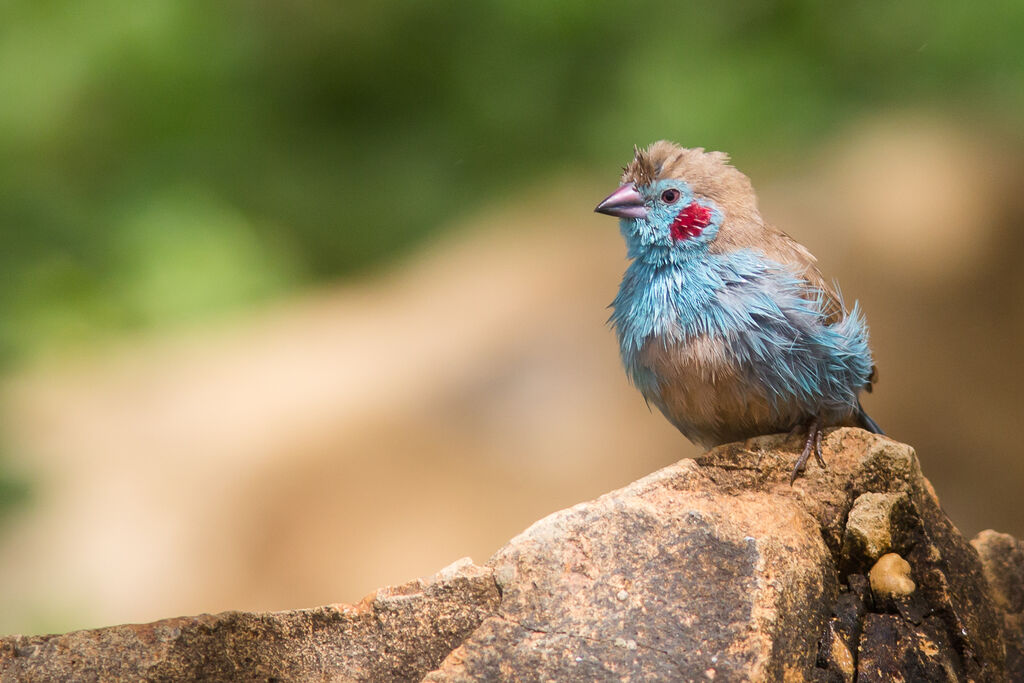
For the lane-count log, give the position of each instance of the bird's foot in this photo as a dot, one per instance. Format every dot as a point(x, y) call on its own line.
point(813, 444)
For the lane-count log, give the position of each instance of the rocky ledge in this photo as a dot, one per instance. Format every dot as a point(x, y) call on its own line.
point(709, 568)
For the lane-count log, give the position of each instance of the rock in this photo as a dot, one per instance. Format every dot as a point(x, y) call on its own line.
point(1002, 557)
point(869, 526)
point(890, 577)
point(834, 654)
point(892, 649)
point(842, 634)
point(714, 568)
point(395, 634)
point(716, 583)
point(734, 574)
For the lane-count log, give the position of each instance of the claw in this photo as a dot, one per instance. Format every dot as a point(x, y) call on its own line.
point(813, 444)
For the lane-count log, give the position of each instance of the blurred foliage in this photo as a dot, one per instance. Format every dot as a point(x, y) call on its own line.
point(14, 491)
point(164, 159)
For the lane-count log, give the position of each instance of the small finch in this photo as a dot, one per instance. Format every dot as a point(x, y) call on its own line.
point(724, 322)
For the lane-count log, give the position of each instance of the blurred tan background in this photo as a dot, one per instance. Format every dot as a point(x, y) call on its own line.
point(301, 302)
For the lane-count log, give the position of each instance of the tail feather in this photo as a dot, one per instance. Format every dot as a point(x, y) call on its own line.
point(866, 422)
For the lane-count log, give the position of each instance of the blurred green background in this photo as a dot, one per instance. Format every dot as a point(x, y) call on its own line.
point(163, 161)
point(168, 163)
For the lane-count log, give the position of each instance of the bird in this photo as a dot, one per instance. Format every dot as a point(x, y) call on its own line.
point(724, 322)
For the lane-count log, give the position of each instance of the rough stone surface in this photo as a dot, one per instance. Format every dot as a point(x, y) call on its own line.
point(869, 526)
point(395, 634)
point(894, 649)
point(714, 568)
point(733, 574)
point(1002, 557)
point(715, 582)
point(712, 581)
point(839, 642)
point(784, 605)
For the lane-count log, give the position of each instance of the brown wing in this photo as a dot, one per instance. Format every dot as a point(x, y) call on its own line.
point(782, 248)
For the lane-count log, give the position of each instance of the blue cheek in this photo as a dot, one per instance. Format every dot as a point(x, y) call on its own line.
point(650, 239)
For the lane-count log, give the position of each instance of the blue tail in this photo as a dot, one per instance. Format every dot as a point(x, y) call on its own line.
point(866, 422)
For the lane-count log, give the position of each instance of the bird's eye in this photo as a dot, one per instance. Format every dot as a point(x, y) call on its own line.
point(670, 196)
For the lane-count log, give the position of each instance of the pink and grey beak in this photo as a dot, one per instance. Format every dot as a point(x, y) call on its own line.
point(625, 202)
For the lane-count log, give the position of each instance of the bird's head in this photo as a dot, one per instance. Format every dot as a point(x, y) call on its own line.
point(676, 202)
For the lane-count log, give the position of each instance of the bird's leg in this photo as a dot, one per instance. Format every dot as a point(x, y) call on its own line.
point(813, 443)
point(817, 448)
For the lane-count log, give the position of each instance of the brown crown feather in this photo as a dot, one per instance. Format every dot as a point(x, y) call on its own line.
point(708, 173)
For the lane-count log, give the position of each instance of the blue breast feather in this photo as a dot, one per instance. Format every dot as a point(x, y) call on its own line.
point(768, 320)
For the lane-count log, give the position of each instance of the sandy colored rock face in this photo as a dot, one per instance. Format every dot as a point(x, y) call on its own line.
point(660, 580)
point(713, 568)
point(394, 634)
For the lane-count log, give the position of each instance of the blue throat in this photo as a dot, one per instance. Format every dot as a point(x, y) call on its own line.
point(679, 299)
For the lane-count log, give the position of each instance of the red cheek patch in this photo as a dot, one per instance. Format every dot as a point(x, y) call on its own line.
point(691, 221)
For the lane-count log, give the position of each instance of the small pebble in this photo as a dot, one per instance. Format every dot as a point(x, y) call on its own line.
point(890, 577)
point(622, 595)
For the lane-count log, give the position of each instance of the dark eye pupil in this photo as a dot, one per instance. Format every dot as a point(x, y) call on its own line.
point(669, 196)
